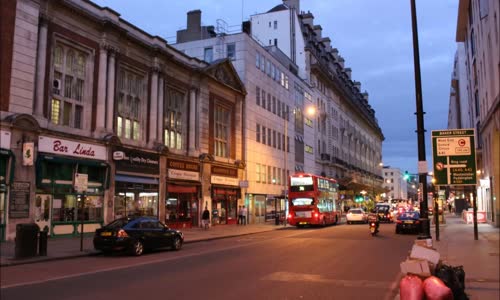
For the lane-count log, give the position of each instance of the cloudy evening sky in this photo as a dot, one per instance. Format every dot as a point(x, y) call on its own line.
point(374, 37)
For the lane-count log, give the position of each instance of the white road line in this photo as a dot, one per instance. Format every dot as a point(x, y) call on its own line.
point(142, 263)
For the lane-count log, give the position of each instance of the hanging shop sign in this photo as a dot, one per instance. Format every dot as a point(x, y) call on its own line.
point(130, 160)
point(71, 148)
point(28, 149)
point(19, 204)
point(185, 170)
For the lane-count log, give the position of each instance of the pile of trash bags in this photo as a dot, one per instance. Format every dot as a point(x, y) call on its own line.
point(447, 283)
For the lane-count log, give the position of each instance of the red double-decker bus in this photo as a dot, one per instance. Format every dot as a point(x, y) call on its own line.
point(313, 200)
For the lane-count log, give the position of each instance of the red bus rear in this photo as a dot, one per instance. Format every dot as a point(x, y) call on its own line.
point(313, 200)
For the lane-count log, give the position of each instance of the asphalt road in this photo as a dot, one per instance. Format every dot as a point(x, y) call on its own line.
point(338, 262)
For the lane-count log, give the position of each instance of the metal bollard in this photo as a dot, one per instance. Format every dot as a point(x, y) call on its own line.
point(42, 243)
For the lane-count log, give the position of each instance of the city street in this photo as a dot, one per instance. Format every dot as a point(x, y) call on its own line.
point(338, 262)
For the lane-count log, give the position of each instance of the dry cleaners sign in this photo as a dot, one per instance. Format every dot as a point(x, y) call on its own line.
point(71, 148)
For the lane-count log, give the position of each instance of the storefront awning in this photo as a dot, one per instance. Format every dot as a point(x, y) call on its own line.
point(136, 179)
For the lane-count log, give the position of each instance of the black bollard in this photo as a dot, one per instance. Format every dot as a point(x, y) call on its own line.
point(42, 243)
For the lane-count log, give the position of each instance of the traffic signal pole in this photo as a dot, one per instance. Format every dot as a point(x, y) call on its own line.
point(425, 232)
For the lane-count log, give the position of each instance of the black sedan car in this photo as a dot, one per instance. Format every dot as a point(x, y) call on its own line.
point(408, 221)
point(136, 234)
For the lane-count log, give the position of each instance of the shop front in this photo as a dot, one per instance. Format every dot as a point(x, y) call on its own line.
point(275, 207)
point(136, 183)
point(58, 207)
point(225, 195)
point(182, 207)
point(7, 163)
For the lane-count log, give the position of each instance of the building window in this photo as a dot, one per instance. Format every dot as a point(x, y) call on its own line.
point(68, 73)
point(276, 42)
point(269, 102)
point(222, 132)
point(175, 105)
point(257, 60)
point(262, 63)
point(269, 174)
point(257, 172)
point(275, 24)
point(274, 138)
point(263, 99)
point(129, 97)
point(257, 133)
point(278, 110)
point(279, 141)
point(270, 24)
point(257, 96)
point(263, 174)
point(231, 51)
point(263, 135)
point(274, 105)
point(208, 54)
point(269, 137)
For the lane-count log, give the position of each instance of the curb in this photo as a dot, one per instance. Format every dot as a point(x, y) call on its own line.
point(39, 259)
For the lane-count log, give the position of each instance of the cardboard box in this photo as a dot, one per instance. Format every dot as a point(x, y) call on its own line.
point(424, 243)
point(418, 267)
point(430, 255)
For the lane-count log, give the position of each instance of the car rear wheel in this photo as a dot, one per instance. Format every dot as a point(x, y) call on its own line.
point(137, 248)
point(177, 244)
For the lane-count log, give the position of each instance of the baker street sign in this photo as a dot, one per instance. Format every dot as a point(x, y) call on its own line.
point(454, 157)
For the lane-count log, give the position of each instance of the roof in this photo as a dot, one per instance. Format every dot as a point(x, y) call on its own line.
point(279, 7)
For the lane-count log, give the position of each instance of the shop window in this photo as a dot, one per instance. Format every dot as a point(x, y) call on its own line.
point(68, 85)
point(130, 95)
point(174, 118)
point(68, 208)
point(136, 204)
point(178, 207)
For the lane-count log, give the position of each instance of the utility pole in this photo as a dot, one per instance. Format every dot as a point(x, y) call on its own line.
point(424, 210)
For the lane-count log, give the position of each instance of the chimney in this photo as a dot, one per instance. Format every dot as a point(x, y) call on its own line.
point(327, 42)
point(293, 4)
point(365, 96)
point(348, 71)
point(308, 18)
point(317, 30)
point(335, 53)
point(194, 20)
point(357, 85)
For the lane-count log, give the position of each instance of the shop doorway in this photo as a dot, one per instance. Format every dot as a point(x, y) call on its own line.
point(260, 209)
point(224, 207)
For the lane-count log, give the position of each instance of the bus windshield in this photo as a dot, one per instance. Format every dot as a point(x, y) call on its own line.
point(302, 201)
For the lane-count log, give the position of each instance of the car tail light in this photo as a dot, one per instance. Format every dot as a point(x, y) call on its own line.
point(399, 221)
point(372, 224)
point(290, 216)
point(316, 215)
point(121, 234)
point(417, 222)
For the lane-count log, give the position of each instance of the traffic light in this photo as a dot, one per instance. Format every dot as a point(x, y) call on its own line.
point(406, 176)
point(358, 198)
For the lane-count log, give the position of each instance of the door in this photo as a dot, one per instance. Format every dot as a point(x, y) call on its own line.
point(43, 211)
point(260, 209)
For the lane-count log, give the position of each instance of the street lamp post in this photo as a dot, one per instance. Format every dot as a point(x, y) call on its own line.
point(425, 228)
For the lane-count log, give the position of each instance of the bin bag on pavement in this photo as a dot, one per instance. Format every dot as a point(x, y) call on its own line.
point(435, 289)
point(454, 278)
point(410, 288)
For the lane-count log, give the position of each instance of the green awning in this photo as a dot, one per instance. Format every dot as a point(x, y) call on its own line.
point(47, 173)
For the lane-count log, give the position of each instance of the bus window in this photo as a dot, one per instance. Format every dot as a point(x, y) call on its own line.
point(302, 201)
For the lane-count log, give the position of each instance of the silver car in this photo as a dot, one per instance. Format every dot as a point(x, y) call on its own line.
point(356, 215)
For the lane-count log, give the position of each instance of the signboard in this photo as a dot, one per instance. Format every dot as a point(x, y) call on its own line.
point(454, 157)
point(81, 182)
point(129, 160)
point(224, 180)
point(229, 172)
point(71, 148)
point(28, 150)
point(19, 205)
point(4, 139)
point(185, 175)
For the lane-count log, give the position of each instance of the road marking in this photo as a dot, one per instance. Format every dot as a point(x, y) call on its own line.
point(138, 264)
point(299, 277)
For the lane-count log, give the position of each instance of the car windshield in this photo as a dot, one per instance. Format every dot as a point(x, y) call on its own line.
point(409, 215)
point(118, 223)
point(355, 211)
point(302, 201)
point(383, 208)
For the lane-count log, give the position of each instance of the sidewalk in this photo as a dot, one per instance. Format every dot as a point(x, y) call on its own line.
point(480, 258)
point(64, 248)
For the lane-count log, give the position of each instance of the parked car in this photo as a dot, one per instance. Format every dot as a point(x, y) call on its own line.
point(408, 221)
point(136, 234)
point(356, 215)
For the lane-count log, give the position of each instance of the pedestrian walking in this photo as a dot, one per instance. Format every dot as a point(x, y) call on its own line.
point(240, 215)
point(244, 215)
point(205, 218)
